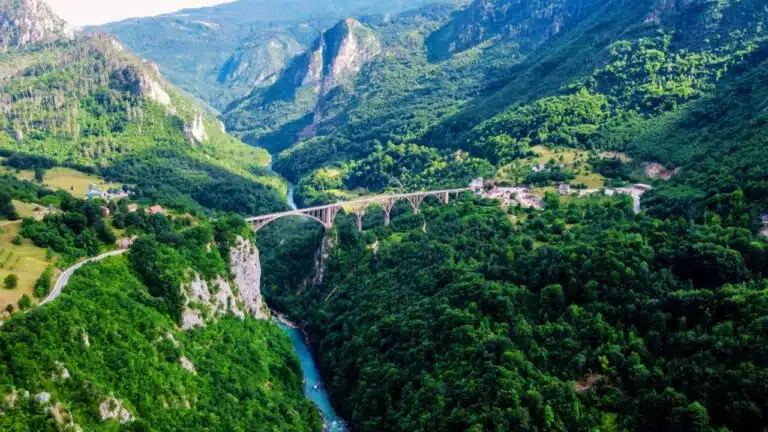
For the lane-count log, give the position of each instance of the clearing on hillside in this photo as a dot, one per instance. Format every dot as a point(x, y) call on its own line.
point(26, 261)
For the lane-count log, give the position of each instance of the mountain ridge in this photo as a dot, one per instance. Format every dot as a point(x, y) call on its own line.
point(240, 30)
point(28, 22)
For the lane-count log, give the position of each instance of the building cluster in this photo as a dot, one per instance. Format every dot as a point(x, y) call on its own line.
point(108, 195)
point(544, 167)
point(133, 208)
point(527, 199)
point(508, 196)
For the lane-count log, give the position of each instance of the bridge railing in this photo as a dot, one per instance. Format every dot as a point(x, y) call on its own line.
point(366, 201)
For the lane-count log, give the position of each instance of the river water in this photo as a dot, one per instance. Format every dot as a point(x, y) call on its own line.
point(314, 387)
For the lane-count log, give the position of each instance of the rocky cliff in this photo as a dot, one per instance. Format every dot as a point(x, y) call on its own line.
point(27, 22)
point(237, 293)
point(336, 57)
point(246, 269)
point(300, 97)
point(526, 22)
point(259, 63)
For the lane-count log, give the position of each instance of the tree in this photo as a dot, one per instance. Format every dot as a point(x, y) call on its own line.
point(43, 284)
point(25, 302)
point(6, 207)
point(11, 281)
point(39, 174)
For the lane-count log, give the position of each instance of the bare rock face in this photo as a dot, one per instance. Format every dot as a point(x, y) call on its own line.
point(337, 56)
point(141, 83)
point(188, 365)
point(112, 409)
point(196, 131)
point(666, 8)
point(200, 295)
point(28, 22)
point(529, 23)
point(240, 295)
point(246, 268)
point(153, 90)
point(61, 372)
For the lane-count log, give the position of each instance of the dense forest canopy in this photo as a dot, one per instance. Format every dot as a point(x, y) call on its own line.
point(585, 314)
point(581, 317)
point(112, 342)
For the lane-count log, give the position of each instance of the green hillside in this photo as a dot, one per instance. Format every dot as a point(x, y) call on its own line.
point(90, 104)
point(496, 79)
point(581, 317)
point(110, 345)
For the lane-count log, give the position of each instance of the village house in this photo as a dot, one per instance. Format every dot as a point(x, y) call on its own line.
point(156, 209)
point(564, 189)
point(133, 208)
point(126, 242)
point(113, 194)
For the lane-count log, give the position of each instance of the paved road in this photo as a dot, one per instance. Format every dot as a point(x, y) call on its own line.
point(63, 279)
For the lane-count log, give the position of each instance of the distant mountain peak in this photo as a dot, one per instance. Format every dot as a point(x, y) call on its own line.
point(338, 55)
point(29, 22)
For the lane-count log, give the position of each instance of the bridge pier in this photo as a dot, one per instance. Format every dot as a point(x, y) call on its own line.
point(416, 202)
point(388, 206)
point(326, 215)
point(359, 212)
point(329, 215)
point(444, 198)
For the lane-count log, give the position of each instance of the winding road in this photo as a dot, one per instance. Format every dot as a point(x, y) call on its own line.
point(63, 279)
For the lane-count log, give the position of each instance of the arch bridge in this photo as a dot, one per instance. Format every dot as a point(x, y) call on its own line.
point(326, 214)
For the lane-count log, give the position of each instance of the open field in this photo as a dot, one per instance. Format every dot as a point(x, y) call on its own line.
point(573, 159)
point(25, 210)
point(74, 182)
point(565, 156)
point(26, 261)
point(66, 179)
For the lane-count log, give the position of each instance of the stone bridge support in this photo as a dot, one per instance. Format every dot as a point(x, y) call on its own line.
point(359, 212)
point(444, 197)
point(388, 206)
point(416, 201)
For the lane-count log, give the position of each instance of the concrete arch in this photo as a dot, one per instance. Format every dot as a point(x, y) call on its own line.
point(257, 225)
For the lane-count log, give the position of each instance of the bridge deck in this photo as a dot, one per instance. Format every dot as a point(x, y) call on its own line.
point(372, 200)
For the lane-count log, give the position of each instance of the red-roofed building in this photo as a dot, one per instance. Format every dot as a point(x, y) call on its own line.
point(156, 209)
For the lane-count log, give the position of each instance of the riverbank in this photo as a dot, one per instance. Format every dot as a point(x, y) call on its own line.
point(314, 387)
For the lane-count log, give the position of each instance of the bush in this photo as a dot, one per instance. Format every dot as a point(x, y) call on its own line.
point(11, 281)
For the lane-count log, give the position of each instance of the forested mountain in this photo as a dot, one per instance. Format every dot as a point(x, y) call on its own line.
point(583, 312)
point(297, 99)
point(581, 317)
point(90, 103)
point(163, 338)
point(609, 67)
point(221, 53)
